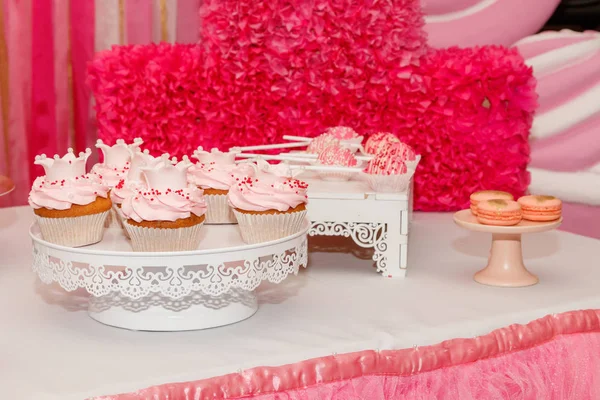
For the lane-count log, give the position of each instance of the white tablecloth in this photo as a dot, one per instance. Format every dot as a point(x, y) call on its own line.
point(51, 349)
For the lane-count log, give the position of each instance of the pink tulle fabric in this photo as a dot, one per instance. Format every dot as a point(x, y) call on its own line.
point(268, 68)
point(555, 357)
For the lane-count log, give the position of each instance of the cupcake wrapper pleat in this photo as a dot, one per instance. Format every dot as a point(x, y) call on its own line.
point(112, 220)
point(389, 183)
point(258, 228)
point(219, 211)
point(73, 231)
point(157, 239)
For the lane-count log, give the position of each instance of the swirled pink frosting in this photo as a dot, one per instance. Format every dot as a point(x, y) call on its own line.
point(110, 176)
point(170, 205)
point(124, 189)
point(211, 175)
point(61, 195)
point(263, 192)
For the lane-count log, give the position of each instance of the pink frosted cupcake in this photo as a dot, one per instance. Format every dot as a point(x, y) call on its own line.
point(70, 206)
point(380, 141)
point(337, 157)
point(212, 174)
point(268, 207)
point(387, 172)
point(114, 168)
point(168, 214)
point(134, 180)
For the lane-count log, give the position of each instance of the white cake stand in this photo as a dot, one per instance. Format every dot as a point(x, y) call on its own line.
point(170, 291)
point(505, 265)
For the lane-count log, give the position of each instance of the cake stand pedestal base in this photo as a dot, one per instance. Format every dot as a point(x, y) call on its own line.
point(158, 313)
point(505, 266)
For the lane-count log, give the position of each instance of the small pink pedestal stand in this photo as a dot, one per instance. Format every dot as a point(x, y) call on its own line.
point(505, 266)
point(6, 185)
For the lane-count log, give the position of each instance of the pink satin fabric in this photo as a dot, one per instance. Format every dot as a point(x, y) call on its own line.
point(82, 51)
point(138, 15)
point(581, 219)
point(61, 74)
point(436, 7)
point(42, 134)
point(575, 148)
point(503, 23)
point(549, 358)
point(19, 34)
point(188, 23)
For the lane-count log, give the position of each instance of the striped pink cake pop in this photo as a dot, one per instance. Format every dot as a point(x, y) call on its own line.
point(379, 141)
point(334, 155)
point(342, 132)
point(386, 163)
point(322, 142)
point(403, 150)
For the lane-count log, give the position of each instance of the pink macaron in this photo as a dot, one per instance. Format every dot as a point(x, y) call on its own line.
point(499, 212)
point(488, 195)
point(540, 208)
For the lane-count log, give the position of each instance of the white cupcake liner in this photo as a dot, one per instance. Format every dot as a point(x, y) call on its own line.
point(73, 231)
point(352, 144)
point(121, 219)
point(389, 183)
point(219, 211)
point(159, 239)
point(258, 228)
point(412, 165)
point(335, 176)
point(112, 220)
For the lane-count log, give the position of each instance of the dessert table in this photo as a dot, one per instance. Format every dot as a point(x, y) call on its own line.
point(51, 349)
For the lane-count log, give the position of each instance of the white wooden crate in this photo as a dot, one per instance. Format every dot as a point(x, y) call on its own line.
point(373, 220)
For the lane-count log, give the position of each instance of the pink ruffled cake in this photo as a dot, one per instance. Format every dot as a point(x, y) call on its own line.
point(213, 174)
point(168, 214)
point(267, 207)
point(70, 206)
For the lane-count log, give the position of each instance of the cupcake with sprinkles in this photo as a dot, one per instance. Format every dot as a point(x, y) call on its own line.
point(134, 180)
point(213, 174)
point(168, 213)
point(387, 172)
point(114, 167)
point(70, 206)
point(267, 207)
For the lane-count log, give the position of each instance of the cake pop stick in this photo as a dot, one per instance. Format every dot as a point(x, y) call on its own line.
point(300, 139)
point(280, 157)
point(268, 146)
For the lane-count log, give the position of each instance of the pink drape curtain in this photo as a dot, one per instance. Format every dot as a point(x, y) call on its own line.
point(45, 45)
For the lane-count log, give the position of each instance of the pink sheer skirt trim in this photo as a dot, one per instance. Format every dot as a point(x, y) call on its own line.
point(547, 358)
